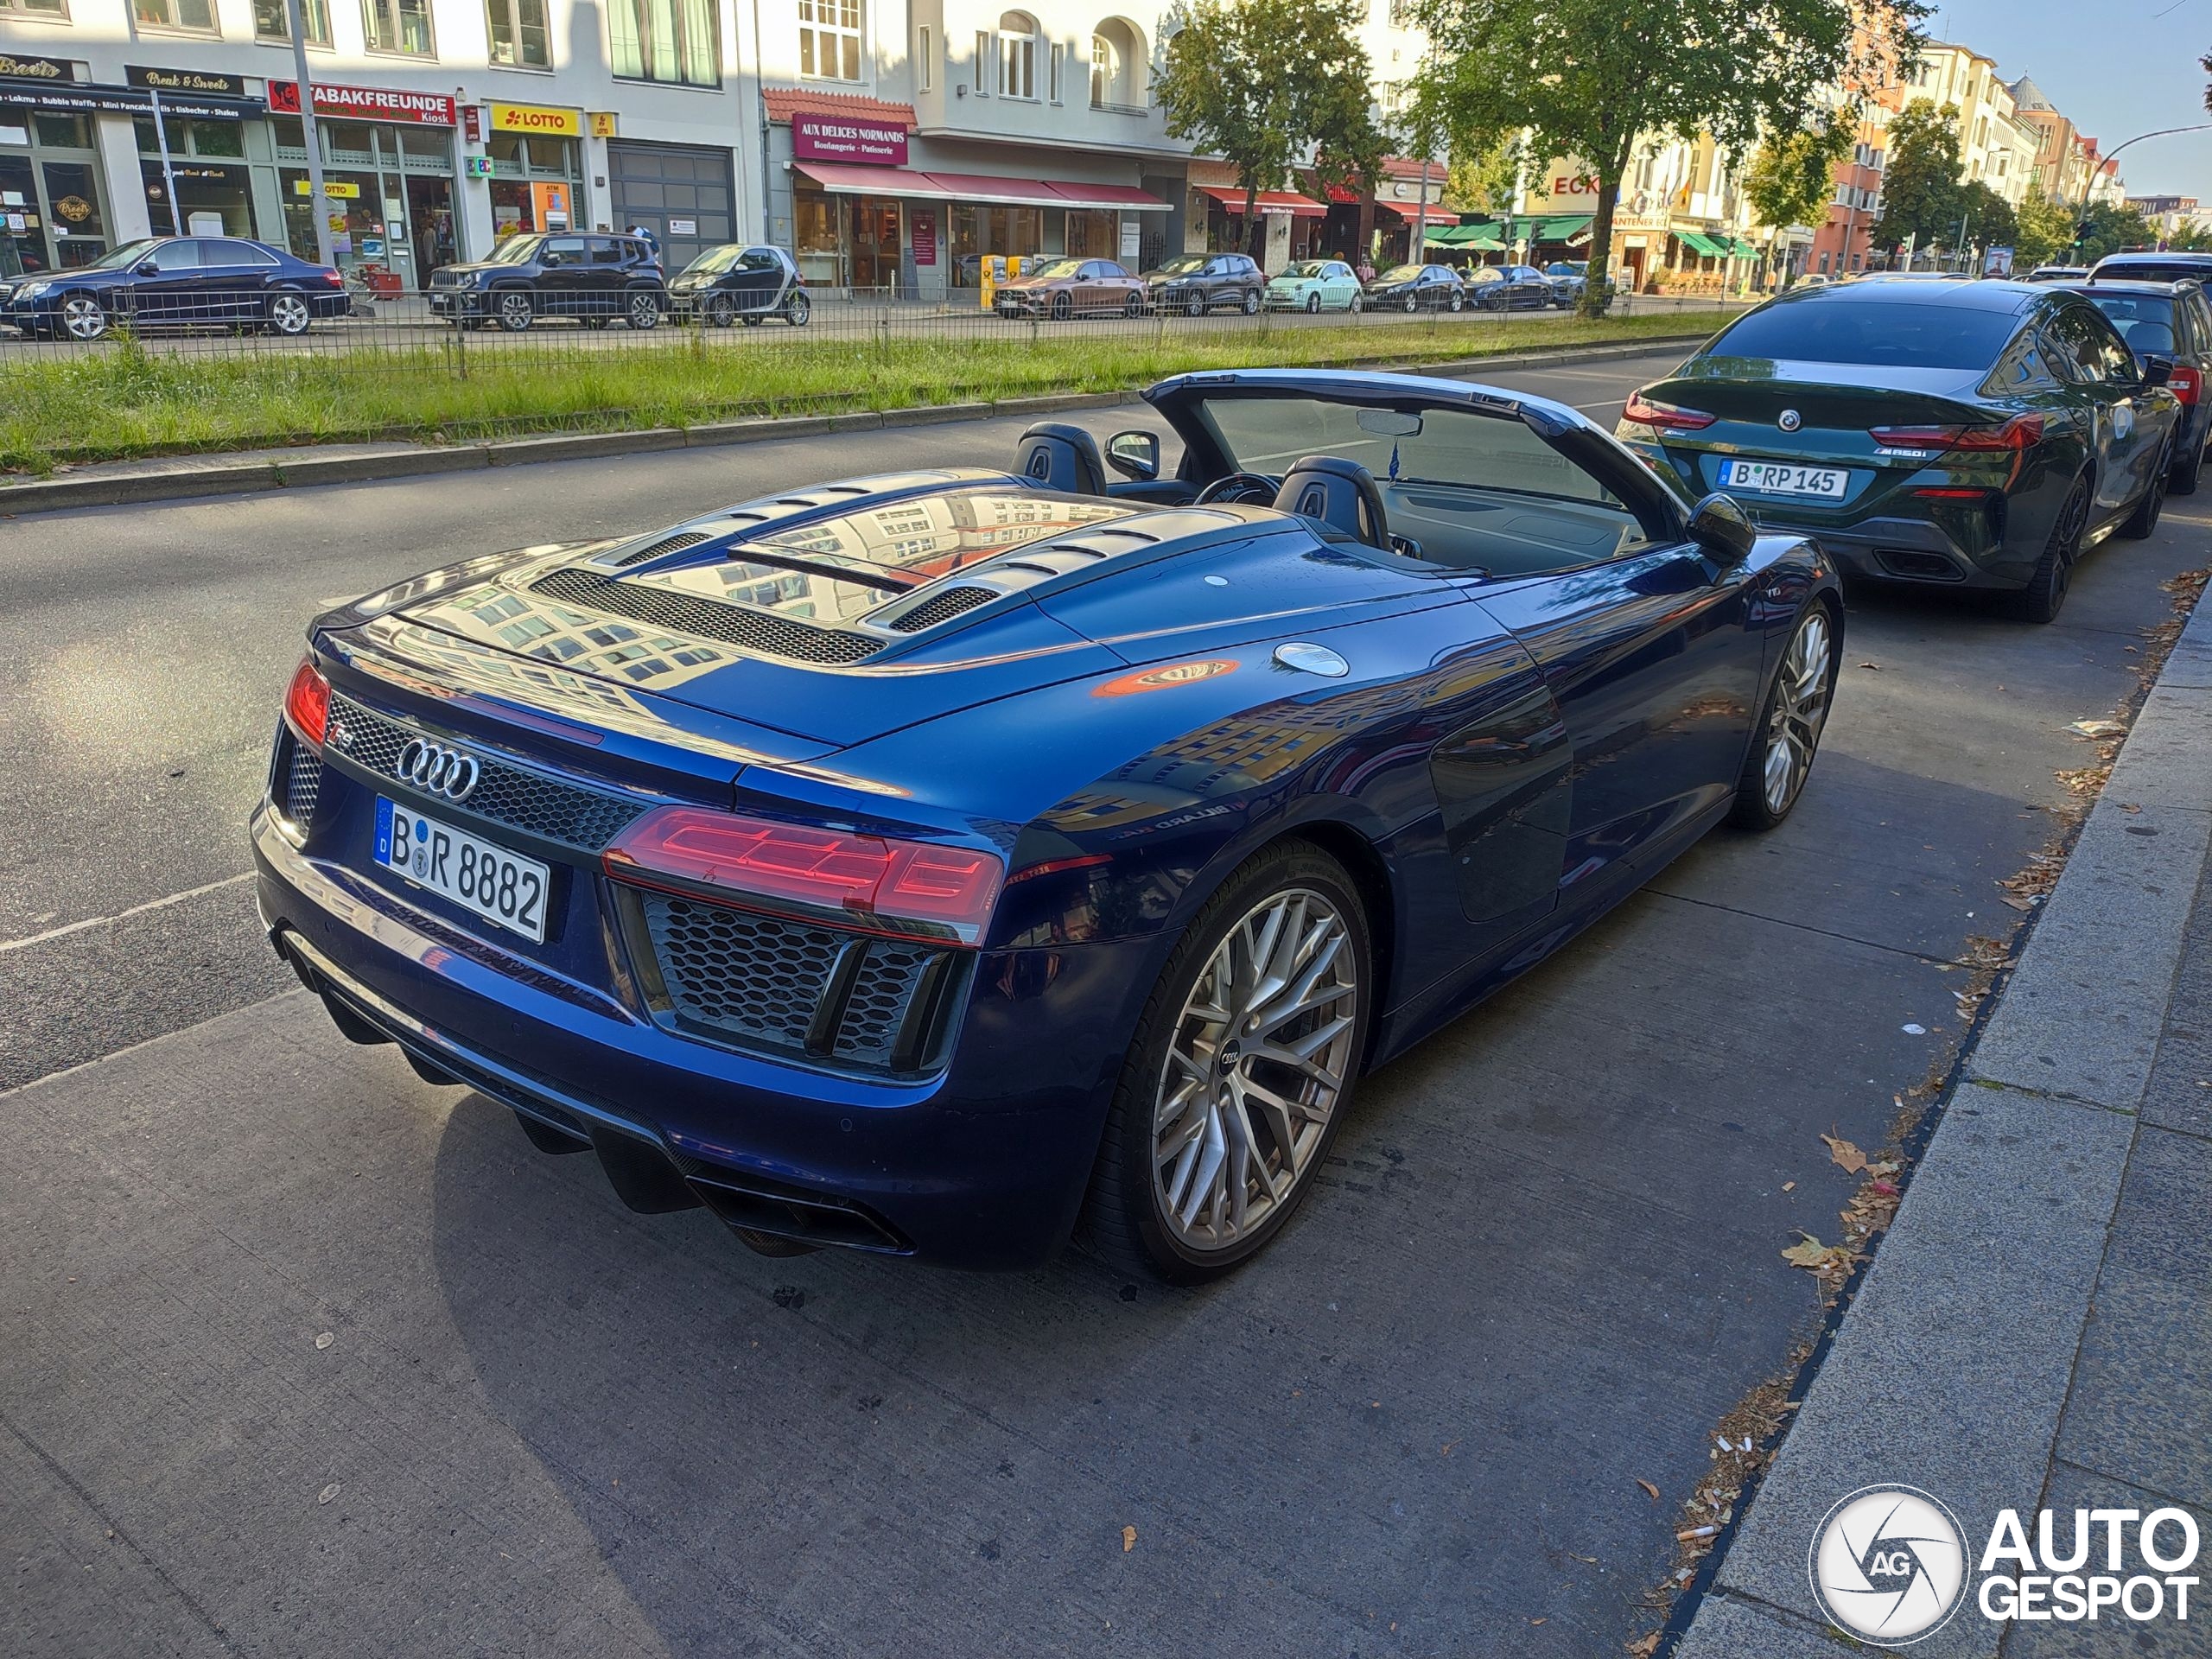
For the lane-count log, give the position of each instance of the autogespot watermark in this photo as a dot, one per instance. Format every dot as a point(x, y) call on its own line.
point(1891, 1565)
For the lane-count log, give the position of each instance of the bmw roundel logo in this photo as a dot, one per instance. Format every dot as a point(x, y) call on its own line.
point(1889, 1564)
point(1790, 421)
point(436, 770)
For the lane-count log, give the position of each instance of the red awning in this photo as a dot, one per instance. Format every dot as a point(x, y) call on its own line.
point(846, 179)
point(1271, 201)
point(1409, 211)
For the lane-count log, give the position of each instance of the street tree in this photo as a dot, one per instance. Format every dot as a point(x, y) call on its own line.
point(1263, 84)
point(1486, 180)
point(1589, 77)
point(2045, 229)
point(1921, 193)
point(1791, 178)
point(1985, 220)
point(2105, 228)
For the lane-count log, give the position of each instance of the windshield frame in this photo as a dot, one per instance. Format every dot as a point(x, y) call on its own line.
point(1067, 268)
point(127, 254)
point(505, 253)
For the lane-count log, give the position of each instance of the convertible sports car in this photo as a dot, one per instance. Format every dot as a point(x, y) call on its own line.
point(913, 862)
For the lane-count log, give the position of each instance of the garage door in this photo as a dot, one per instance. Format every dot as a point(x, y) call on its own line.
point(683, 196)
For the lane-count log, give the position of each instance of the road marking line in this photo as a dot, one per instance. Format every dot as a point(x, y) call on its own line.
point(63, 931)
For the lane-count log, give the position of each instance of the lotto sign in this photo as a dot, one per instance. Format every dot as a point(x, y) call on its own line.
point(537, 118)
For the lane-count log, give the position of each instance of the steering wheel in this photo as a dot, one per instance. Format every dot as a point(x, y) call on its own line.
point(1254, 487)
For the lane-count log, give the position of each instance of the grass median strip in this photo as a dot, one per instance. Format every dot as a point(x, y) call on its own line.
point(128, 400)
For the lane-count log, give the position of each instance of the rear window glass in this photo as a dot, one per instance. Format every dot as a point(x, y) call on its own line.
point(1885, 334)
point(2153, 270)
point(2145, 322)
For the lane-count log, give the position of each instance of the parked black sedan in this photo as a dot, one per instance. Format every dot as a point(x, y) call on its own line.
point(592, 278)
point(1196, 283)
point(2168, 320)
point(1980, 435)
point(178, 281)
point(1511, 288)
point(1419, 288)
point(737, 283)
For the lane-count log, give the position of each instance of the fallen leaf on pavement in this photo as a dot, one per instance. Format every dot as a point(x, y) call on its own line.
point(1872, 666)
point(1847, 1157)
point(1644, 1646)
point(1649, 1488)
point(1128, 1539)
point(326, 1493)
point(1790, 1187)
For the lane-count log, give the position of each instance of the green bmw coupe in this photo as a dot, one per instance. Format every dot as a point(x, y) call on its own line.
point(1976, 434)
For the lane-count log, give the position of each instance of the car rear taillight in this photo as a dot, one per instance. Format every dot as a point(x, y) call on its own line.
point(307, 704)
point(332, 279)
point(912, 888)
point(2015, 437)
point(2186, 383)
point(1646, 411)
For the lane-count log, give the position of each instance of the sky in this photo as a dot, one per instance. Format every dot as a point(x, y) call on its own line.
point(2114, 68)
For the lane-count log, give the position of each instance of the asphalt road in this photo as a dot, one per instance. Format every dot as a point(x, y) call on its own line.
point(1543, 1265)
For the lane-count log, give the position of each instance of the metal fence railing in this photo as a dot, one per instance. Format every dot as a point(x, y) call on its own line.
point(401, 334)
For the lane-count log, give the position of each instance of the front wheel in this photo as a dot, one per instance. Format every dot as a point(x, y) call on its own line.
point(1412, 303)
point(1788, 735)
point(514, 311)
point(1312, 304)
point(83, 317)
point(721, 312)
point(1239, 1072)
point(643, 311)
point(1063, 307)
point(2145, 519)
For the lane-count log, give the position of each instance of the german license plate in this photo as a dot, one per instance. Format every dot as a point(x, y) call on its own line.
point(501, 886)
point(1778, 478)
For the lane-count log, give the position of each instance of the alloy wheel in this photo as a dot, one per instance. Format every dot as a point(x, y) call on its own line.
point(797, 309)
point(1252, 302)
point(644, 311)
point(1801, 708)
point(288, 315)
point(1413, 302)
point(82, 317)
point(514, 312)
point(1196, 305)
point(1258, 1059)
point(720, 312)
point(1314, 301)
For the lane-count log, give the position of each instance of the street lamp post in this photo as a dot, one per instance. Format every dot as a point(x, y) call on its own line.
point(319, 205)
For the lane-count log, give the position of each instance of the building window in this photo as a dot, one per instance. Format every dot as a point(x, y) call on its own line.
point(272, 21)
point(520, 39)
point(1117, 58)
point(665, 39)
point(401, 26)
point(1053, 75)
point(982, 63)
point(925, 59)
point(196, 14)
point(830, 40)
point(56, 9)
point(1017, 55)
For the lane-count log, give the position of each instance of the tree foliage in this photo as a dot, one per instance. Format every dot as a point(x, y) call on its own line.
point(1919, 188)
point(1485, 181)
point(2043, 233)
point(1262, 83)
point(2104, 228)
point(1588, 77)
point(1791, 178)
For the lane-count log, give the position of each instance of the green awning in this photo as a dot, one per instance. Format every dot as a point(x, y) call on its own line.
point(1467, 236)
point(1704, 244)
point(1747, 250)
point(1559, 227)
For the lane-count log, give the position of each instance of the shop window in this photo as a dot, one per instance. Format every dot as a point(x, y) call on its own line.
point(664, 40)
point(37, 8)
point(829, 40)
point(272, 21)
point(433, 144)
point(224, 140)
point(63, 132)
point(520, 39)
point(1017, 55)
point(198, 15)
point(401, 26)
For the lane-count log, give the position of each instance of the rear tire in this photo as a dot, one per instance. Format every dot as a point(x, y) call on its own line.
point(2145, 519)
point(288, 315)
point(2182, 481)
point(1787, 739)
point(1227, 1106)
point(1252, 302)
point(2045, 593)
point(797, 309)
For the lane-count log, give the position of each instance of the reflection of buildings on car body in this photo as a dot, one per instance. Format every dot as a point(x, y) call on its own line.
point(890, 148)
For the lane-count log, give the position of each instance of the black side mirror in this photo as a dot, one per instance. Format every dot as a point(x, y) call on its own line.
point(1134, 455)
point(2156, 370)
point(1724, 530)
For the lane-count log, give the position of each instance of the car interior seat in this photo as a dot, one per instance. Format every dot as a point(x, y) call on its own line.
point(1061, 457)
point(1341, 495)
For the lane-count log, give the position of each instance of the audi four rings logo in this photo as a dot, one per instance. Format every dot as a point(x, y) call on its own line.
point(438, 770)
point(1790, 421)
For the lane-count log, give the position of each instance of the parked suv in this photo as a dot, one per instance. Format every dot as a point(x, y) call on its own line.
point(1196, 282)
point(176, 281)
point(2168, 320)
point(593, 278)
point(2177, 266)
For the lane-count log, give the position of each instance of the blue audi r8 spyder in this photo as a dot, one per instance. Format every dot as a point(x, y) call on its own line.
point(925, 863)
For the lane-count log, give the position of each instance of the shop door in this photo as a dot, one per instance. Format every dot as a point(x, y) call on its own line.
point(875, 243)
point(429, 213)
point(686, 197)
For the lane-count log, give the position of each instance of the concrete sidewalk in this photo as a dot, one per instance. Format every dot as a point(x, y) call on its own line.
point(2033, 1332)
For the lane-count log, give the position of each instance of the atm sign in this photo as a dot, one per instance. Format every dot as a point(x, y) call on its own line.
point(537, 117)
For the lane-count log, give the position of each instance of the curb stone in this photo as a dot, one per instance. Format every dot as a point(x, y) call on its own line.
point(1951, 1365)
point(177, 477)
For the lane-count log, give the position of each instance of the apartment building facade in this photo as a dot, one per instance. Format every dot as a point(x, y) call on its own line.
point(891, 143)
